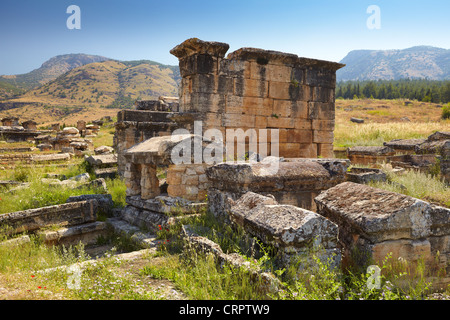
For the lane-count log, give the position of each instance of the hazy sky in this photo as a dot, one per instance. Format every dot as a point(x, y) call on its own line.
point(33, 31)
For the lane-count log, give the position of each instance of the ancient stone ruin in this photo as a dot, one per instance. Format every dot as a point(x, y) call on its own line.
point(249, 89)
point(293, 200)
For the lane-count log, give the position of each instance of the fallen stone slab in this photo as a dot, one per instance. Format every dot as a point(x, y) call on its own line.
point(377, 222)
point(86, 233)
point(67, 214)
point(439, 136)
point(50, 157)
point(149, 220)
point(103, 150)
point(102, 160)
point(433, 147)
point(14, 242)
point(356, 120)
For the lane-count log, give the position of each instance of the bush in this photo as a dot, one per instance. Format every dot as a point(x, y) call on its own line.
point(446, 112)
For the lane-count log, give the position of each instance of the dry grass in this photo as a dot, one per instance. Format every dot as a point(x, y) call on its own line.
point(385, 120)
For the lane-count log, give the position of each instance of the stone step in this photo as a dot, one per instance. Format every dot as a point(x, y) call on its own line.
point(146, 240)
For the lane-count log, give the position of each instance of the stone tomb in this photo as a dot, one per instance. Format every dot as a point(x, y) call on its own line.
point(249, 89)
point(369, 155)
point(260, 89)
point(294, 232)
point(184, 180)
point(291, 181)
point(376, 222)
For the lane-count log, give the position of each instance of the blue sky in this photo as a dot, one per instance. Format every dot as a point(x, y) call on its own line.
point(34, 31)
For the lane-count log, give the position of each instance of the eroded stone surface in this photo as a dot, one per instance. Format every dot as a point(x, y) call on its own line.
point(379, 221)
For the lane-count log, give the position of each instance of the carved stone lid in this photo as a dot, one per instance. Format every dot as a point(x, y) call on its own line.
point(196, 46)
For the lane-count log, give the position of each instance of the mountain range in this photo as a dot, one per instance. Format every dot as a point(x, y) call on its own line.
point(81, 79)
point(415, 63)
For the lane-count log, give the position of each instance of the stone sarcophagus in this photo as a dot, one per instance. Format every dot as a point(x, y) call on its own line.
point(377, 222)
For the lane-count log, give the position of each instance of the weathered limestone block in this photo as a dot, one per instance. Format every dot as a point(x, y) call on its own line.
point(378, 222)
point(170, 206)
point(102, 160)
point(70, 131)
point(366, 175)
point(37, 158)
point(81, 125)
point(435, 143)
point(105, 202)
point(64, 214)
point(294, 181)
point(405, 146)
point(103, 150)
point(290, 229)
point(86, 233)
point(368, 155)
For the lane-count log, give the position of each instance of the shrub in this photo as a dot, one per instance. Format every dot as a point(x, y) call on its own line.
point(446, 112)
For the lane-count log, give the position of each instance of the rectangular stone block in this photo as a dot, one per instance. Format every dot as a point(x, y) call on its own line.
point(282, 108)
point(260, 121)
point(198, 63)
point(299, 110)
point(325, 150)
point(308, 150)
point(299, 136)
point(203, 83)
point(257, 106)
point(279, 90)
point(323, 136)
point(173, 178)
point(252, 88)
point(238, 120)
point(176, 190)
point(324, 125)
point(320, 77)
point(280, 122)
point(323, 94)
point(278, 73)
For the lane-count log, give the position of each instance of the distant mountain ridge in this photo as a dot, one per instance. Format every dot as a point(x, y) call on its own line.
point(110, 83)
point(50, 70)
point(419, 62)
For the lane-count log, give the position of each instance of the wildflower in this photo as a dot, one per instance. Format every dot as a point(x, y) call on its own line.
point(39, 287)
point(32, 276)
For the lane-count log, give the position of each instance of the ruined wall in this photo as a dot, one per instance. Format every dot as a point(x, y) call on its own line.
point(135, 126)
point(254, 88)
point(188, 181)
